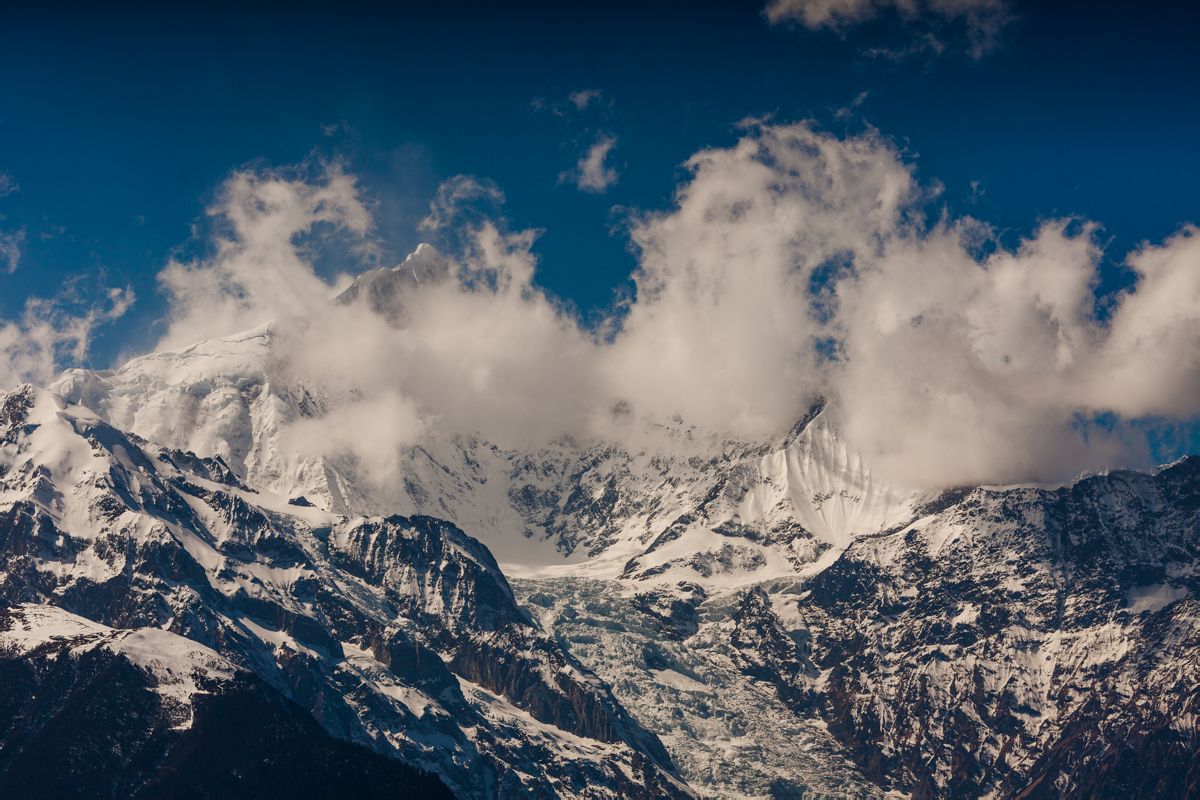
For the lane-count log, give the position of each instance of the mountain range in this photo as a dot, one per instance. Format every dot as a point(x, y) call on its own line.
point(191, 606)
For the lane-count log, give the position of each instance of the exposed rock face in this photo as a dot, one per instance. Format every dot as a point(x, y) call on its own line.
point(1022, 642)
point(397, 634)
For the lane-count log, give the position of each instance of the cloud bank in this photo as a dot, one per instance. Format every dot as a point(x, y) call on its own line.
point(793, 265)
point(482, 350)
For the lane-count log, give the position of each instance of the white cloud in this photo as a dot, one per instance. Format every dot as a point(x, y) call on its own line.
point(1149, 362)
point(721, 331)
point(575, 102)
point(482, 350)
point(371, 429)
point(792, 265)
point(259, 272)
point(11, 244)
point(53, 333)
point(948, 370)
point(982, 20)
point(457, 194)
point(50, 333)
point(592, 173)
point(584, 98)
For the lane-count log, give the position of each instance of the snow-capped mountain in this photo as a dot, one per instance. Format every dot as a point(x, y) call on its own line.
point(397, 634)
point(1016, 643)
point(738, 512)
point(730, 619)
point(385, 291)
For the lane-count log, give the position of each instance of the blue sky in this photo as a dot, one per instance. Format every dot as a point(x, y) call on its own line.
point(116, 127)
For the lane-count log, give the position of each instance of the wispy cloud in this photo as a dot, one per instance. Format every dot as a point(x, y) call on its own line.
point(980, 20)
point(11, 244)
point(593, 173)
point(456, 195)
point(261, 273)
point(585, 97)
point(576, 102)
point(53, 333)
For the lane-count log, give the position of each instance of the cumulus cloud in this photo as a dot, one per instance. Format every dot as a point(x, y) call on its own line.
point(982, 20)
point(793, 265)
point(959, 371)
point(797, 264)
point(480, 348)
point(52, 333)
point(259, 271)
point(723, 290)
point(592, 173)
point(1150, 359)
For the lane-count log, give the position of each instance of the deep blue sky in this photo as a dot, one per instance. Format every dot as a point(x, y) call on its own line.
point(119, 125)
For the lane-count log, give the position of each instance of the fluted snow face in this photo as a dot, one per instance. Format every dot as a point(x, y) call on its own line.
point(763, 512)
point(826, 488)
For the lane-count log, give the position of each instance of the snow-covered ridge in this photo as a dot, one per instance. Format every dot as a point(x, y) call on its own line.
point(1024, 628)
point(385, 290)
point(744, 512)
point(175, 665)
point(369, 623)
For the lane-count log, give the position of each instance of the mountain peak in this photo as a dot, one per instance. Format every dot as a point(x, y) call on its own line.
point(387, 291)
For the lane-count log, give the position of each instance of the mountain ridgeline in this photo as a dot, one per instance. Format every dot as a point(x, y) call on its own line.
point(580, 619)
